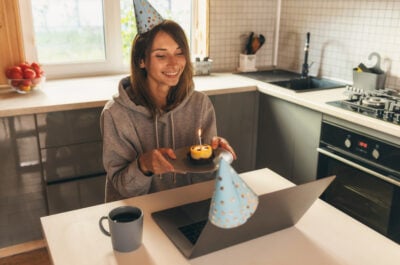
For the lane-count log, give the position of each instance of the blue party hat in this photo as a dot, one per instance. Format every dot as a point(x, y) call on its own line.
point(233, 202)
point(146, 16)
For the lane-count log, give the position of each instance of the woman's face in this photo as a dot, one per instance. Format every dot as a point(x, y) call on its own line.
point(165, 64)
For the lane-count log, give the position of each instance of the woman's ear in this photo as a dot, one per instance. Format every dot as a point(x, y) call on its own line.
point(141, 64)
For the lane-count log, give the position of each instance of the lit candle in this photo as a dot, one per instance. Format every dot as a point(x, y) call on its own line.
point(199, 132)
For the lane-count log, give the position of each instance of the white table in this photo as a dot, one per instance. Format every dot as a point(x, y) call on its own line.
point(323, 236)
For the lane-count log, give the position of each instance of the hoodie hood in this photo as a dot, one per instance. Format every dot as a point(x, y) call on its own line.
point(123, 98)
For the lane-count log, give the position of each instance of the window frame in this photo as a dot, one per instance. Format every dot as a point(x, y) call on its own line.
point(113, 63)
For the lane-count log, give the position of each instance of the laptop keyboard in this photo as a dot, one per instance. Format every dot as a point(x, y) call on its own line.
point(193, 231)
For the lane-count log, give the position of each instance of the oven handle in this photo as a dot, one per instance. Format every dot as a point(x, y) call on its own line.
point(355, 165)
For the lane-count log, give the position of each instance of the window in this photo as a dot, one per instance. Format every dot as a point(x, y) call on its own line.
point(91, 37)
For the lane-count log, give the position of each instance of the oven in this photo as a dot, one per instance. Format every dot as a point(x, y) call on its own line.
point(367, 168)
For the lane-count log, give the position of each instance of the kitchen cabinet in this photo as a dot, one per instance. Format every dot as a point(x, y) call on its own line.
point(22, 196)
point(288, 135)
point(76, 194)
point(71, 153)
point(237, 117)
point(50, 163)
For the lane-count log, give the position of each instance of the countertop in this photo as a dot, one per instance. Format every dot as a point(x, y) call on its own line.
point(74, 237)
point(69, 94)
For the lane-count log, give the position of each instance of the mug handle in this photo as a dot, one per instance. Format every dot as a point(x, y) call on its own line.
point(102, 227)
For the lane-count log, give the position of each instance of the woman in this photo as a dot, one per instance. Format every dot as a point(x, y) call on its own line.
point(156, 112)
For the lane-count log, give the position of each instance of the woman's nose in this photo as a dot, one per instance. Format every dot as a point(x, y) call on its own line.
point(172, 60)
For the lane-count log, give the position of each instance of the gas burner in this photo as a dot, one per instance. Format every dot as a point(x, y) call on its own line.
point(394, 93)
point(383, 104)
point(395, 107)
point(374, 102)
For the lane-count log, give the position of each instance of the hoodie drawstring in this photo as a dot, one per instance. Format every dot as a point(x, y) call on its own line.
point(157, 140)
point(172, 135)
point(173, 139)
point(156, 127)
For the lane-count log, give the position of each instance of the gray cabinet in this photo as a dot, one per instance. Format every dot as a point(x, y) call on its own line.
point(288, 136)
point(50, 163)
point(237, 117)
point(22, 196)
point(79, 193)
point(71, 154)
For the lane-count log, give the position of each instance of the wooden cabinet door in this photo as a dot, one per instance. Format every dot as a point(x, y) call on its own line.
point(11, 44)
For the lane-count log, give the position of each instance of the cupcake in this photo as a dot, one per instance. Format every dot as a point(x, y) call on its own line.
point(201, 154)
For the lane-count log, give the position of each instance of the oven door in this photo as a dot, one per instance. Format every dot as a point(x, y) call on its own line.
point(362, 192)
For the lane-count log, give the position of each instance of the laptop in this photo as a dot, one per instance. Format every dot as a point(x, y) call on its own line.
point(187, 226)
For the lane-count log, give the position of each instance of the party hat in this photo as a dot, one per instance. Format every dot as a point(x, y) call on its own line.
point(146, 16)
point(233, 202)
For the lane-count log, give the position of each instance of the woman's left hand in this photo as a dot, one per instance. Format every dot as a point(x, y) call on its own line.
point(223, 143)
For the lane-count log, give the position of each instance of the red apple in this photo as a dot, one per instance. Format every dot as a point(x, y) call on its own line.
point(15, 83)
point(29, 73)
point(24, 65)
point(36, 67)
point(14, 72)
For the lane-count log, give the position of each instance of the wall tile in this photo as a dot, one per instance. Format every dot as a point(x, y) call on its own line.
point(343, 34)
point(231, 22)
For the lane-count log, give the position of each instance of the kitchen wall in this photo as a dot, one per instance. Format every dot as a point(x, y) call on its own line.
point(231, 22)
point(343, 34)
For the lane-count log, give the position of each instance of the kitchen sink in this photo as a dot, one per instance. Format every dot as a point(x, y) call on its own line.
point(308, 83)
point(292, 80)
point(271, 75)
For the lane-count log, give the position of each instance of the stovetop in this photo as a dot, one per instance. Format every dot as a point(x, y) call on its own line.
point(379, 104)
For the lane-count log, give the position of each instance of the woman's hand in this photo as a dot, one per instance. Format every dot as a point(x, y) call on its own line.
point(156, 162)
point(223, 143)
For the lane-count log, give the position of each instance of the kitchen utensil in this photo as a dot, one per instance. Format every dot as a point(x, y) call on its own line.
point(248, 45)
point(262, 40)
point(255, 45)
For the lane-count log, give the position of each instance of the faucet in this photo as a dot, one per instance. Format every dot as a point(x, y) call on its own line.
point(306, 67)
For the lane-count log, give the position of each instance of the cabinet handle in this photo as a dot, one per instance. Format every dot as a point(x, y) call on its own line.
point(357, 166)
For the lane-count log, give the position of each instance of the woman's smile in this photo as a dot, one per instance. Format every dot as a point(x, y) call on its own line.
point(172, 74)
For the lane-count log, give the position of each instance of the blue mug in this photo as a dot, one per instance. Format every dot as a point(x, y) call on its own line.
point(125, 228)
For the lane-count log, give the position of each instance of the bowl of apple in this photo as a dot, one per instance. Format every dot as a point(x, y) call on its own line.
point(25, 78)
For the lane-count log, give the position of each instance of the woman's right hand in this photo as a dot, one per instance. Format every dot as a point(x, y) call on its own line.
point(156, 162)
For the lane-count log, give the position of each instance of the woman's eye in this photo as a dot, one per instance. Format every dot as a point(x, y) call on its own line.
point(160, 55)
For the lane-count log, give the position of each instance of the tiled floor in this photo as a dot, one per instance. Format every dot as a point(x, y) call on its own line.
point(22, 197)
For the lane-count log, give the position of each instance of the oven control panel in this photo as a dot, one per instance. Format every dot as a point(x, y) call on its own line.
point(361, 145)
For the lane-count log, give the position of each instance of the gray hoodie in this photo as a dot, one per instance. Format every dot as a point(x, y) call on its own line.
point(129, 130)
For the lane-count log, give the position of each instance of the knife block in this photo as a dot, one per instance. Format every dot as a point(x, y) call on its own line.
point(247, 63)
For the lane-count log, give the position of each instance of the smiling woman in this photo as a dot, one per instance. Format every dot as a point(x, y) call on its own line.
point(89, 37)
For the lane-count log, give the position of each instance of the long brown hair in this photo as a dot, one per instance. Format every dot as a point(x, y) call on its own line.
point(141, 48)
